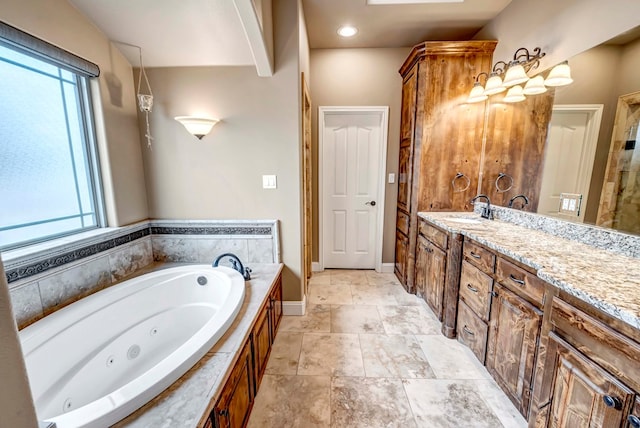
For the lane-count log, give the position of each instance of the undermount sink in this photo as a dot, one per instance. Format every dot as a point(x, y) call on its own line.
point(463, 220)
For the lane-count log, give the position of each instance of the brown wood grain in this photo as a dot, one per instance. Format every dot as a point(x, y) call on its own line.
point(440, 133)
point(234, 406)
point(579, 386)
point(472, 331)
point(475, 290)
point(512, 344)
point(479, 256)
point(430, 274)
point(523, 282)
point(451, 285)
point(515, 143)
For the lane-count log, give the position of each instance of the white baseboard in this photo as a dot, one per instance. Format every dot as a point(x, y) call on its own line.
point(388, 267)
point(316, 267)
point(294, 307)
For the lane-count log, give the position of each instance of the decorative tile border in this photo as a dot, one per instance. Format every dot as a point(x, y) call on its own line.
point(49, 263)
point(163, 230)
point(69, 251)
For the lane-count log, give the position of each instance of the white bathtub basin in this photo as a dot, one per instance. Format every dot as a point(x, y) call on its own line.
point(98, 360)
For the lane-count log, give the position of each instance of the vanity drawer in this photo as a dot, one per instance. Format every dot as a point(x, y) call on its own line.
point(520, 280)
point(478, 256)
point(472, 331)
point(402, 222)
point(475, 290)
point(433, 234)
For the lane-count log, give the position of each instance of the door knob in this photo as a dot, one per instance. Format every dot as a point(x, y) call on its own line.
point(372, 203)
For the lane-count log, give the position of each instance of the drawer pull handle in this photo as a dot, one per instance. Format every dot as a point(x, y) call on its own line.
point(470, 287)
point(613, 402)
point(520, 282)
point(474, 255)
point(469, 332)
point(634, 421)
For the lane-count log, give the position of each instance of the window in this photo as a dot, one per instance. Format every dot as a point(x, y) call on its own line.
point(49, 181)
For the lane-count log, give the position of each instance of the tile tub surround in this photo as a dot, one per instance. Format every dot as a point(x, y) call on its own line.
point(186, 400)
point(328, 369)
point(605, 279)
point(46, 277)
point(599, 237)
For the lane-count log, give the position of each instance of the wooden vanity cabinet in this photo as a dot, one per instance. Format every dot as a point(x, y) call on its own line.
point(439, 137)
point(514, 333)
point(591, 371)
point(437, 272)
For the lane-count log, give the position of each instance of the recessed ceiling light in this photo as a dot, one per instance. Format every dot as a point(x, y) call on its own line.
point(347, 31)
point(384, 2)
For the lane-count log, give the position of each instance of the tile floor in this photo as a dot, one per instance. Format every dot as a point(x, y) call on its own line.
point(368, 354)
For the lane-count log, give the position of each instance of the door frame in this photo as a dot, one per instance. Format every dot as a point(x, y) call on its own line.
point(591, 135)
point(324, 111)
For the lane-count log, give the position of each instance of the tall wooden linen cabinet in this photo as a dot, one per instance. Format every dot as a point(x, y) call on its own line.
point(440, 138)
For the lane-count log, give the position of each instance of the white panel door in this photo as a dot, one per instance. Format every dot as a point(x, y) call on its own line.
point(350, 171)
point(568, 160)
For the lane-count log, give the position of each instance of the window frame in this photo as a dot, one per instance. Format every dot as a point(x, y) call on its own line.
point(83, 73)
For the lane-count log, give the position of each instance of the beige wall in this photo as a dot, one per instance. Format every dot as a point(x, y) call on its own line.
point(561, 28)
point(629, 74)
point(59, 23)
point(360, 77)
point(220, 177)
point(592, 73)
point(16, 405)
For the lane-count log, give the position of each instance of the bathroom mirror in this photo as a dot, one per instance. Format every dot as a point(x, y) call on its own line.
point(583, 125)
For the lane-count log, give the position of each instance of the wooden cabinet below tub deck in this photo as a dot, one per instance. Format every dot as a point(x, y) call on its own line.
point(234, 405)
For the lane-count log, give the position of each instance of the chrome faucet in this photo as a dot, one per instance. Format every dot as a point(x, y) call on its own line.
point(524, 198)
point(487, 212)
point(235, 263)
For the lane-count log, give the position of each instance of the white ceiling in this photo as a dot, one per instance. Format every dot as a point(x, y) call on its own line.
point(174, 33)
point(396, 25)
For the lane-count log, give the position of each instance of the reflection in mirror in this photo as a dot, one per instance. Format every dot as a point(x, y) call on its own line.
point(580, 135)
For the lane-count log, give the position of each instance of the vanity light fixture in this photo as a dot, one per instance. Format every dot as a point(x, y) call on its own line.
point(478, 93)
point(560, 75)
point(197, 126)
point(515, 94)
point(535, 86)
point(347, 31)
point(515, 74)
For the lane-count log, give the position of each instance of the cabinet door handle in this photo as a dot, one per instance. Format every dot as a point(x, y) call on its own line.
point(470, 287)
point(613, 402)
point(520, 282)
point(634, 421)
point(469, 332)
point(224, 413)
point(474, 255)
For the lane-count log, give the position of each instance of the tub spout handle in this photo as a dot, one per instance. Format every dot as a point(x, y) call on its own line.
point(235, 263)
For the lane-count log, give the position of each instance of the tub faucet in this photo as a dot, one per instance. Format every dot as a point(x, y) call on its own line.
point(487, 212)
point(524, 198)
point(235, 263)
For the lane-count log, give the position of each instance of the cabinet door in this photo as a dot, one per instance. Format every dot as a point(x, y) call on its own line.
point(276, 309)
point(584, 395)
point(408, 114)
point(261, 343)
point(234, 406)
point(513, 338)
point(402, 246)
point(430, 274)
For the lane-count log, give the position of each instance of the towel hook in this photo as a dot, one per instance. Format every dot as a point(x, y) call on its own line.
point(500, 177)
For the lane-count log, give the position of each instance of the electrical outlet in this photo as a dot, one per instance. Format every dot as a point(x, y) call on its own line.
point(269, 182)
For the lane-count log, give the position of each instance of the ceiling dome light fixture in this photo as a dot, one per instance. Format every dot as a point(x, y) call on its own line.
point(197, 126)
point(347, 31)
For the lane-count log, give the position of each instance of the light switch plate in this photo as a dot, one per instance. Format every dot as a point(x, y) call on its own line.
point(392, 178)
point(269, 182)
point(570, 204)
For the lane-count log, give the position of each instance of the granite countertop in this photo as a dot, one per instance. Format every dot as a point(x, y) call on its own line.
point(187, 399)
point(604, 279)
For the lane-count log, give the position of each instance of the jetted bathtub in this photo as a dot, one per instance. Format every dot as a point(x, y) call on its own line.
point(96, 361)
